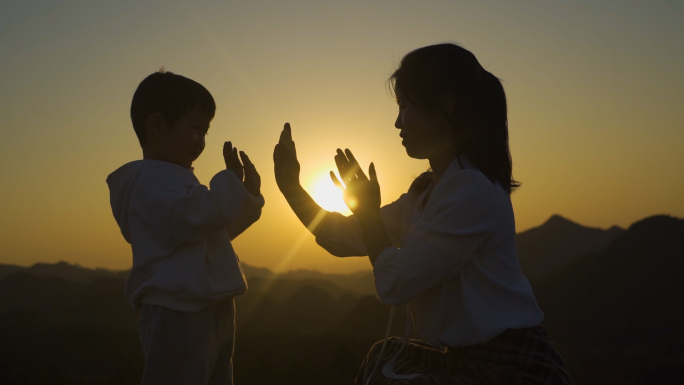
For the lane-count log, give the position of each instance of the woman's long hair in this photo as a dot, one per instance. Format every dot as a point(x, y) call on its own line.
point(480, 119)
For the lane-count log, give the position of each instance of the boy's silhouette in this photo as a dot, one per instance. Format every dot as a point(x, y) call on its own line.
point(185, 272)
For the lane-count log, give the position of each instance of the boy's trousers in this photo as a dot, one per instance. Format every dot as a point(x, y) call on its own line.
point(187, 348)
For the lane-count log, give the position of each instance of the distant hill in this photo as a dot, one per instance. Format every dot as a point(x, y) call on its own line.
point(64, 270)
point(541, 250)
point(557, 243)
point(615, 314)
point(359, 283)
point(57, 331)
point(618, 315)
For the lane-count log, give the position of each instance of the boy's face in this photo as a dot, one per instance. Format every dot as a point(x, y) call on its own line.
point(183, 141)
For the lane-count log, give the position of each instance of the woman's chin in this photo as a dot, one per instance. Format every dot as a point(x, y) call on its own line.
point(412, 153)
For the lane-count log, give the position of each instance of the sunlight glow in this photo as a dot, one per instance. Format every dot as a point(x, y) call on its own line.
point(285, 261)
point(256, 97)
point(328, 196)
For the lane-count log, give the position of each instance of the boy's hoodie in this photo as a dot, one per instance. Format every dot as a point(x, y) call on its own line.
point(180, 233)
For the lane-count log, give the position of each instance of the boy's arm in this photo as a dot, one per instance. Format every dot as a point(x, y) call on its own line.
point(203, 211)
point(248, 216)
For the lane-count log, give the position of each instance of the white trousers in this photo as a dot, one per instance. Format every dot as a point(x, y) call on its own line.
point(188, 347)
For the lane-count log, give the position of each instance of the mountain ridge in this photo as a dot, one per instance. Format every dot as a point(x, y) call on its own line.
point(626, 299)
point(555, 224)
point(614, 314)
point(557, 243)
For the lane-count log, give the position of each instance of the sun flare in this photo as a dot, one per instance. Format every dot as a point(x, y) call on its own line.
point(328, 196)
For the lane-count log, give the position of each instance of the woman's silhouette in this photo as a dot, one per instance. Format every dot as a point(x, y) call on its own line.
point(446, 248)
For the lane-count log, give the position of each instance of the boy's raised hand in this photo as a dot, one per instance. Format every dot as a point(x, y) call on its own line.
point(230, 156)
point(247, 173)
point(252, 179)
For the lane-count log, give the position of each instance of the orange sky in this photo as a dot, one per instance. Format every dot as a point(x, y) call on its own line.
point(593, 87)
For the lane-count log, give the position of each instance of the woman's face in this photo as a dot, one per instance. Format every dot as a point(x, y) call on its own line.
point(426, 133)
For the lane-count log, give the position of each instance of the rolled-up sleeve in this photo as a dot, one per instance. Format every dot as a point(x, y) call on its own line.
point(460, 217)
point(175, 208)
point(202, 211)
point(250, 214)
point(341, 235)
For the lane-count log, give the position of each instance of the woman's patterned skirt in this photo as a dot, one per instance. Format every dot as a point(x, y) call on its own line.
point(521, 356)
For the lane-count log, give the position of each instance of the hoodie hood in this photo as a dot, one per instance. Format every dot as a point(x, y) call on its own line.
point(120, 184)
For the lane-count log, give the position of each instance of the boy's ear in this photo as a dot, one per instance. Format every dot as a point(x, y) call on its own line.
point(155, 123)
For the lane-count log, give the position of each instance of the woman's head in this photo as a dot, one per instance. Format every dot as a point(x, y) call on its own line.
point(463, 107)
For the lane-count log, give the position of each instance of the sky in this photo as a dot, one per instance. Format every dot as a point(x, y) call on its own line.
point(593, 87)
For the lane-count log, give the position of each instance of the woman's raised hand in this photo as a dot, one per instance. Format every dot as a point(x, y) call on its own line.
point(361, 194)
point(285, 161)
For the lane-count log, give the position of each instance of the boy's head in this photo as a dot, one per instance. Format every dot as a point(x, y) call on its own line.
point(171, 116)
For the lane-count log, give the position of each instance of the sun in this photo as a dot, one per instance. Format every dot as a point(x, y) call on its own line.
point(328, 196)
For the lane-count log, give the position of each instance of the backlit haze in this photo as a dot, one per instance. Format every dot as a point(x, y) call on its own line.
point(594, 91)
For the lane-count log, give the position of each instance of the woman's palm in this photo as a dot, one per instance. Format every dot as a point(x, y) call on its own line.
point(361, 194)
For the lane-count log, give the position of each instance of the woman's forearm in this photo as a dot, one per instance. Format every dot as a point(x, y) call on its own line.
point(306, 209)
point(374, 234)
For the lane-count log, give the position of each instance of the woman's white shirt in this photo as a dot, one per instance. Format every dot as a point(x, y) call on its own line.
point(453, 261)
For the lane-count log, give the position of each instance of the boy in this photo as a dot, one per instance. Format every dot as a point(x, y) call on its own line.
point(185, 272)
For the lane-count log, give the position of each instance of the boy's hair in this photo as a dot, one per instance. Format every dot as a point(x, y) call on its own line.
point(171, 95)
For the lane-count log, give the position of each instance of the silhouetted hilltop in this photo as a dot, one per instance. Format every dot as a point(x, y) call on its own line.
point(556, 243)
point(6, 270)
point(64, 270)
point(359, 283)
point(253, 271)
point(615, 315)
point(279, 289)
point(622, 308)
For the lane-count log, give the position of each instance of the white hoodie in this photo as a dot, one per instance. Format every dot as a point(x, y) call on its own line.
point(180, 233)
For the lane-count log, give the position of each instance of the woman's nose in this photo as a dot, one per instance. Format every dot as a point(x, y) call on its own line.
point(397, 123)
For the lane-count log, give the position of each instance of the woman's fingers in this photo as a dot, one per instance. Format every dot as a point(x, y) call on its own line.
point(286, 142)
point(285, 133)
point(348, 165)
point(343, 167)
point(288, 131)
point(354, 164)
point(276, 153)
point(340, 159)
point(286, 136)
point(336, 181)
point(343, 164)
point(371, 172)
point(350, 156)
point(286, 146)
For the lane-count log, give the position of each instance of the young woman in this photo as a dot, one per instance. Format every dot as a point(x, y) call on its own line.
point(447, 246)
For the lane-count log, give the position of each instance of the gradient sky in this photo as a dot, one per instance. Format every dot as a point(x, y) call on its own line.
point(593, 88)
